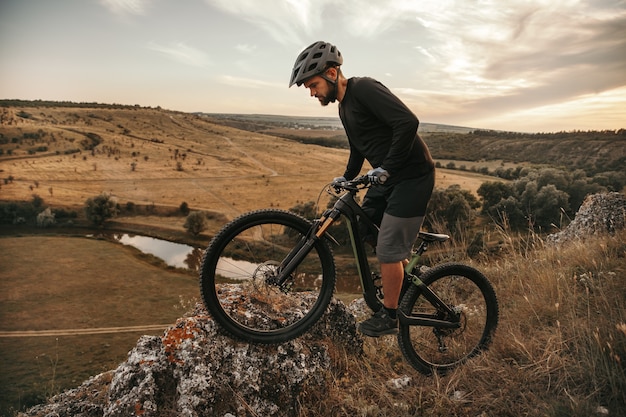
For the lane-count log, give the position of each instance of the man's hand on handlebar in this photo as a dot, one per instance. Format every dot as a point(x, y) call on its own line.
point(338, 181)
point(378, 175)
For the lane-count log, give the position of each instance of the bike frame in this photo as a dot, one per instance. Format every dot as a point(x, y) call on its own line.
point(347, 206)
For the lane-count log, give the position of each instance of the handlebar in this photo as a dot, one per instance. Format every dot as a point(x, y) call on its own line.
point(355, 184)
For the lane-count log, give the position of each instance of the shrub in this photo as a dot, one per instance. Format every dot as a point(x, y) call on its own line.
point(453, 207)
point(21, 211)
point(61, 213)
point(196, 222)
point(306, 210)
point(101, 208)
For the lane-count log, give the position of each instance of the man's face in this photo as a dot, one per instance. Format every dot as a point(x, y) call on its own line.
point(321, 89)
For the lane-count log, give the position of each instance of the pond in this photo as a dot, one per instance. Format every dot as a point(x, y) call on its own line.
point(174, 254)
point(179, 255)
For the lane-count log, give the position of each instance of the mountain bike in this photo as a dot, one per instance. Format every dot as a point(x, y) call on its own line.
point(269, 275)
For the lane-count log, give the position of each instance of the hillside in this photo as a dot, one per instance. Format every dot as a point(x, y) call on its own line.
point(559, 347)
point(558, 350)
point(594, 151)
point(66, 154)
point(153, 156)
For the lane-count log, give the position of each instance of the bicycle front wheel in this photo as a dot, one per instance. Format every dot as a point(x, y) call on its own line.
point(472, 307)
point(240, 284)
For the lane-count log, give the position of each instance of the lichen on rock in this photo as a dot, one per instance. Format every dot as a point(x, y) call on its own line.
point(598, 214)
point(194, 369)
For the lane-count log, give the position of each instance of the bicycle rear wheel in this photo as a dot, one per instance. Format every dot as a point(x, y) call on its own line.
point(238, 278)
point(474, 305)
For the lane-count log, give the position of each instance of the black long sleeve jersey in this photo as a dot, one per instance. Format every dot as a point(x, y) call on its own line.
point(381, 129)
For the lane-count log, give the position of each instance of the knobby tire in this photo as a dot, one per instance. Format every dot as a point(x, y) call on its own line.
point(238, 271)
point(465, 289)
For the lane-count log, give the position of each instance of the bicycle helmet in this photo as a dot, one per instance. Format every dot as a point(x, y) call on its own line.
point(314, 60)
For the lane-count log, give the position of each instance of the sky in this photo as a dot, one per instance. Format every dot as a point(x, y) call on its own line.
point(516, 65)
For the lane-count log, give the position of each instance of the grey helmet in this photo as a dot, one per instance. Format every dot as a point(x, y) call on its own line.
point(314, 60)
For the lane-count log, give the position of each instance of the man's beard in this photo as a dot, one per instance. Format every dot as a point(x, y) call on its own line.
point(332, 94)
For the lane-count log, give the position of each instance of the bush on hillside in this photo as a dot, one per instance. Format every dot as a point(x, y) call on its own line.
point(196, 222)
point(541, 198)
point(101, 208)
point(18, 212)
point(452, 208)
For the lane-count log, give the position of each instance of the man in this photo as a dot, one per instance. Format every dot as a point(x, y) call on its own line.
point(381, 129)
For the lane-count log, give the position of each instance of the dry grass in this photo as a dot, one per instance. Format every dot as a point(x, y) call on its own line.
point(58, 283)
point(223, 169)
point(558, 351)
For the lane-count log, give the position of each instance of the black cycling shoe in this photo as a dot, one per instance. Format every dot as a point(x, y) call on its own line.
point(379, 324)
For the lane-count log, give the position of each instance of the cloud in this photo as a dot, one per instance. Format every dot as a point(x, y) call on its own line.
point(182, 53)
point(587, 112)
point(508, 57)
point(286, 21)
point(126, 7)
point(246, 49)
point(459, 59)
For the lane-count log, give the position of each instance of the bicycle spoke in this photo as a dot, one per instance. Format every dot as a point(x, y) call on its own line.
point(243, 284)
point(472, 307)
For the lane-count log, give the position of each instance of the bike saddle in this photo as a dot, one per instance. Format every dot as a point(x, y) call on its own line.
point(433, 237)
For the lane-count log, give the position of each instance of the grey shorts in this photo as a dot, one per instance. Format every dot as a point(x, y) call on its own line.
point(399, 211)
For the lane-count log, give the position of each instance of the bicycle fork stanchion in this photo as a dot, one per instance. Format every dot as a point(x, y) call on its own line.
point(297, 255)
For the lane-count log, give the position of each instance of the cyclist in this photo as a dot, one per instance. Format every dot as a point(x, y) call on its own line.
point(383, 131)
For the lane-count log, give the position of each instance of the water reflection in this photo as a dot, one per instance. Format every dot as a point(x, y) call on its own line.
point(184, 256)
point(174, 254)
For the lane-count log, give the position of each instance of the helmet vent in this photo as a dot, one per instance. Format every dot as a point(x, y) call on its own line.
point(314, 60)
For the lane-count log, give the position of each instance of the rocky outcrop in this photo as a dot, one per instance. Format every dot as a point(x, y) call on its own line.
point(196, 370)
point(599, 213)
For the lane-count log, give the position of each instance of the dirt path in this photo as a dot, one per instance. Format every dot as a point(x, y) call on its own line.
point(76, 332)
point(251, 158)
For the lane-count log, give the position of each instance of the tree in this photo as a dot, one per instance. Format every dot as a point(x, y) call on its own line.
point(508, 213)
point(196, 222)
point(548, 204)
point(101, 208)
point(492, 192)
point(453, 207)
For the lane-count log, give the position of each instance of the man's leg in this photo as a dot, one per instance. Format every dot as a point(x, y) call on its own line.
point(399, 228)
point(392, 276)
point(385, 321)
